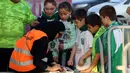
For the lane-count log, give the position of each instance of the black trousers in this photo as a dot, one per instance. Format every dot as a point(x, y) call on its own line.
point(5, 54)
point(50, 58)
point(66, 56)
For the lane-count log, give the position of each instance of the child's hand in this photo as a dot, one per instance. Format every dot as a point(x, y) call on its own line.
point(70, 62)
point(61, 46)
point(35, 23)
point(81, 61)
point(55, 59)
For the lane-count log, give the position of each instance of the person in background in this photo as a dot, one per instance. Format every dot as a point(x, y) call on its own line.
point(128, 10)
point(83, 43)
point(49, 12)
point(31, 51)
point(67, 41)
point(94, 23)
point(14, 15)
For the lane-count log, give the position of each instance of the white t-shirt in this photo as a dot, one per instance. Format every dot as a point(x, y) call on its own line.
point(83, 44)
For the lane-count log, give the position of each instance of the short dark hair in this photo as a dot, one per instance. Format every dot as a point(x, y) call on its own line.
point(50, 1)
point(66, 5)
point(108, 11)
point(79, 14)
point(94, 19)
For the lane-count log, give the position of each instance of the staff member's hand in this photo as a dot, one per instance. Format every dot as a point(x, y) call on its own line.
point(55, 59)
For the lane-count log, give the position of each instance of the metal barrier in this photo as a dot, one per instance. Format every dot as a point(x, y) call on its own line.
point(123, 21)
point(101, 56)
point(124, 61)
point(124, 55)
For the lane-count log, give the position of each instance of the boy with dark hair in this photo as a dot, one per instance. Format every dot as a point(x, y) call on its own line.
point(83, 41)
point(95, 26)
point(108, 15)
point(79, 14)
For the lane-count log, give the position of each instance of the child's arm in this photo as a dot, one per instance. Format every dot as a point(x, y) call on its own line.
point(70, 62)
point(93, 64)
point(54, 47)
point(87, 46)
point(55, 56)
point(85, 56)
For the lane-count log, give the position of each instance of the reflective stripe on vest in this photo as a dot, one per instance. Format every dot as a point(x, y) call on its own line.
point(26, 52)
point(21, 63)
point(23, 51)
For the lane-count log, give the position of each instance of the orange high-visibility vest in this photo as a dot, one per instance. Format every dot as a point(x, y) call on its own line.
point(21, 59)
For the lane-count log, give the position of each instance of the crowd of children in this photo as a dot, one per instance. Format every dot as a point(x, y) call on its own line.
point(79, 46)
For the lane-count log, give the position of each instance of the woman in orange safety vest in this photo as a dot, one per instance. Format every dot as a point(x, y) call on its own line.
point(31, 53)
